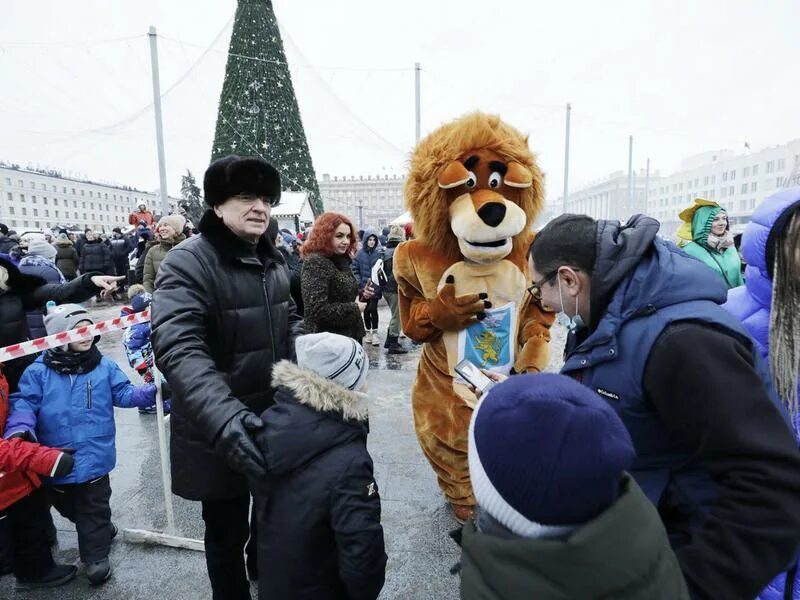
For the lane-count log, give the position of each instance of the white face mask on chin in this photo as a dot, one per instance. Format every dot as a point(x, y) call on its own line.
point(563, 319)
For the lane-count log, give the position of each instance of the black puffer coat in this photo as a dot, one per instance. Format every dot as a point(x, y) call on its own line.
point(222, 316)
point(96, 256)
point(27, 292)
point(319, 523)
point(329, 291)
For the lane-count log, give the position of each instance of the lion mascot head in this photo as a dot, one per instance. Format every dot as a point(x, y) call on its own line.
point(474, 190)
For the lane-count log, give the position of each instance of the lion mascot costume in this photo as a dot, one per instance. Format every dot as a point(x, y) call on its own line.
point(474, 191)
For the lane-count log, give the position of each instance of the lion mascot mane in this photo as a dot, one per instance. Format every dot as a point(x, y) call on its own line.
point(474, 191)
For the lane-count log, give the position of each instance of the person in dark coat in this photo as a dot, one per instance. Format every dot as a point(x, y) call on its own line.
point(7, 243)
point(66, 257)
point(362, 268)
point(389, 289)
point(328, 283)
point(557, 515)
point(39, 262)
point(287, 246)
point(715, 452)
point(320, 533)
point(222, 316)
point(96, 256)
point(80, 242)
point(120, 248)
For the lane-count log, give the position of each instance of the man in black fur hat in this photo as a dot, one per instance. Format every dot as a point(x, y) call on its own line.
point(222, 316)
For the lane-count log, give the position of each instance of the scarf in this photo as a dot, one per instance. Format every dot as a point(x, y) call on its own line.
point(72, 363)
point(720, 242)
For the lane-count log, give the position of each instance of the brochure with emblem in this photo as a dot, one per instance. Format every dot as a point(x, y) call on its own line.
point(489, 344)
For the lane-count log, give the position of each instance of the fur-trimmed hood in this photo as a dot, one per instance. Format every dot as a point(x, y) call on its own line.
point(311, 415)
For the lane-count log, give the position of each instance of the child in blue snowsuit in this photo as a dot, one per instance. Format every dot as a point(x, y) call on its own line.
point(66, 399)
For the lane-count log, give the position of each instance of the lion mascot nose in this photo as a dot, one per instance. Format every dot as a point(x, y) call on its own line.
point(492, 213)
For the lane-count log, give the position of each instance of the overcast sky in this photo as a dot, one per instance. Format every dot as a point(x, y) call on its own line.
point(681, 77)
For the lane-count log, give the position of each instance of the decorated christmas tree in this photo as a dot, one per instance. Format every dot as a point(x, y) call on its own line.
point(258, 113)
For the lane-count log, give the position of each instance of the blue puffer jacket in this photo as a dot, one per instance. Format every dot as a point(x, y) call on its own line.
point(75, 411)
point(751, 303)
point(33, 264)
point(365, 260)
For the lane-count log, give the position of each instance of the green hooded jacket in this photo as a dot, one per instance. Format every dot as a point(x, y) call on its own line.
point(726, 263)
point(622, 553)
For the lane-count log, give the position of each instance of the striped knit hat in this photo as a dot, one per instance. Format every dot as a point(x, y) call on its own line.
point(335, 357)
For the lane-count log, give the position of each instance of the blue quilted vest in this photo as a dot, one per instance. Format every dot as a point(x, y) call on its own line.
point(664, 288)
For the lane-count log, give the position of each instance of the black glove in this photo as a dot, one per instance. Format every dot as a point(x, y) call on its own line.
point(236, 444)
point(65, 463)
point(24, 435)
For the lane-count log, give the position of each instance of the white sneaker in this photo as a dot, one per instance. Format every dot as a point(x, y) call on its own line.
point(375, 340)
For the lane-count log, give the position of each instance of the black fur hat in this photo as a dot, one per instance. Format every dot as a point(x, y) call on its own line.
point(233, 175)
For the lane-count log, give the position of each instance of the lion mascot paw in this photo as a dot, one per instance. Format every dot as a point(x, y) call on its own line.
point(474, 191)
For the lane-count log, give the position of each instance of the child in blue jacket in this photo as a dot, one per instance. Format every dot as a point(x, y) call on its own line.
point(66, 399)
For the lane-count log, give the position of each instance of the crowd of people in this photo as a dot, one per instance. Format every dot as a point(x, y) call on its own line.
point(662, 462)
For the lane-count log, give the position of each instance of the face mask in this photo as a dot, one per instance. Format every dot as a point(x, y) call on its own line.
point(571, 323)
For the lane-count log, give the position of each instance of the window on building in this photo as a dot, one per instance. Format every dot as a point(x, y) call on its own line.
point(730, 191)
point(689, 184)
point(22, 197)
point(8, 180)
point(24, 212)
point(91, 194)
point(84, 216)
point(754, 186)
point(83, 192)
point(746, 172)
point(770, 166)
point(713, 179)
point(752, 202)
point(73, 191)
point(83, 205)
point(56, 211)
point(10, 197)
point(76, 215)
point(46, 213)
point(781, 164)
point(11, 210)
point(33, 199)
point(44, 187)
point(26, 223)
point(733, 174)
point(33, 185)
point(696, 182)
point(744, 188)
point(75, 205)
point(107, 208)
point(755, 170)
point(91, 204)
point(55, 201)
point(54, 189)
point(44, 200)
point(742, 205)
point(724, 192)
point(106, 196)
point(35, 212)
point(724, 176)
point(93, 217)
point(37, 224)
point(778, 182)
point(705, 180)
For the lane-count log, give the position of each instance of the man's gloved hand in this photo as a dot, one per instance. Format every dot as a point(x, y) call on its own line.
point(449, 312)
point(235, 442)
point(144, 395)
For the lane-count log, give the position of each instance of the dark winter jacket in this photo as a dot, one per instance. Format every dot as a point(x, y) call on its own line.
point(320, 534)
point(153, 258)
point(363, 262)
point(697, 399)
point(329, 293)
point(295, 266)
point(75, 411)
point(46, 269)
point(28, 293)
point(96, 256)
point(222, 316)
point(67, 259)
point(120, 248)
point(387, 255)
point(623, 553)
point(752, 303)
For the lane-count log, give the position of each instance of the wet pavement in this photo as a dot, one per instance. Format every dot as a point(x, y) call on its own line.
point(415, 517)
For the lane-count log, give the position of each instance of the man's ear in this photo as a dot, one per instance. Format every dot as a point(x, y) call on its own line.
point(570, 279)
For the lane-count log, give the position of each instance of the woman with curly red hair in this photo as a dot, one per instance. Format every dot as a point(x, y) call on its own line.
point(328, 285)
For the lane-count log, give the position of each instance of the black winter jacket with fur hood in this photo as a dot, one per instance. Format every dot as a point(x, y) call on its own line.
point(222, 316)
point(320, 534)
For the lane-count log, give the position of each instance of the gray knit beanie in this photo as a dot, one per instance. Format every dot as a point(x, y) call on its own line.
point(335, 357)
point(64, 317)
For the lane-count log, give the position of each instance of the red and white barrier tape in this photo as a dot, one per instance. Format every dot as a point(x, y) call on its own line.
point(75, 335)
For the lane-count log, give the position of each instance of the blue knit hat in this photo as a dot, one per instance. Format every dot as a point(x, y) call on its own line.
point(546, 454)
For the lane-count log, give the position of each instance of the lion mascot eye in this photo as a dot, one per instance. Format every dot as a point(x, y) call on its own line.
point(495, 180)
point(471, 181)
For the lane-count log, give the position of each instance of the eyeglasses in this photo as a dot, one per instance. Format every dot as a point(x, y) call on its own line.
point(535, 289)
point(251, 199)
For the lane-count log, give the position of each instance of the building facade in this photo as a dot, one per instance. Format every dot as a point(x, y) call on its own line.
point(43, 200)
point(370, 202)
point(739, 182)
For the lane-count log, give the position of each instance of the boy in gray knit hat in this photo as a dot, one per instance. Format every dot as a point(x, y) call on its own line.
point(320, 504)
